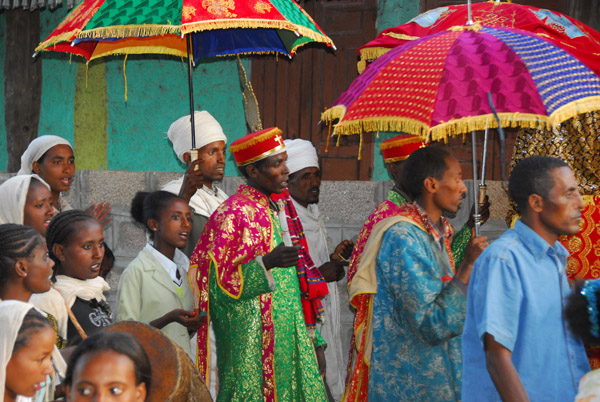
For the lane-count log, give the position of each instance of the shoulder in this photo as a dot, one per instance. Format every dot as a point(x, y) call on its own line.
point(144, 261)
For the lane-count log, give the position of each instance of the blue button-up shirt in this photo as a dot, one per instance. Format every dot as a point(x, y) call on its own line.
point(517, 294)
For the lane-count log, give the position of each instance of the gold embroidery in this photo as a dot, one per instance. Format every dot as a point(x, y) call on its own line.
point(220, 8)
point(187, 12)
point(262, 8)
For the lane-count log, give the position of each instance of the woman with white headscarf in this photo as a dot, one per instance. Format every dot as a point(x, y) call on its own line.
point(26, 200)
point(51, 157)
point(26, 345)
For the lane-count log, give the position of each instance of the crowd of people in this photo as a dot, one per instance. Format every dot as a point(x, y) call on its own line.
point(246, 285)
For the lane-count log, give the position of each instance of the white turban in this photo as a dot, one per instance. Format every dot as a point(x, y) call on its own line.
point(13, 194)
point(301, 154)
point(207, 130)
point(37, 148)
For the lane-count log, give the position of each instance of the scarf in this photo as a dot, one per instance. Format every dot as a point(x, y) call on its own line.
point(12, 313)
point(37, 148)
point(71, 288)
point(312, 284)
point(13, 195)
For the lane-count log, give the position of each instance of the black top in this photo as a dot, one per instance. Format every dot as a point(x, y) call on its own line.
point(92, 316)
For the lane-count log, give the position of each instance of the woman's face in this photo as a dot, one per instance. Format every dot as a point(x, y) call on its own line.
point(105, 376)
point(57, 167)
point(81, 257)
point(28, 367)
point(39, 207)
point(39, 270)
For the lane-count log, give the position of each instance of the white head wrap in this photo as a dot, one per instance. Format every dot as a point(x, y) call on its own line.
point(301, 154)
point(12, 313)
point(13, 194)
point(37, 148)
point(207, 130)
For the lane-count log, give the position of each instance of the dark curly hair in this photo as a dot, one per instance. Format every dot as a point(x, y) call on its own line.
point(145, 206)
point(421, 164)
point(16, 241)
point(33, 322)
point(120, 342)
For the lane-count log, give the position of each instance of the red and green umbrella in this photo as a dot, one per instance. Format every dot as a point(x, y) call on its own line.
point(437, 86)
point(565, 32)
point(97, 28)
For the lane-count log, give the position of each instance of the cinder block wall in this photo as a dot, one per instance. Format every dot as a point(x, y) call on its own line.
point(344, 204)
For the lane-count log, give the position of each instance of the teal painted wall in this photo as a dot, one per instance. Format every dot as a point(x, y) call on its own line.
point(391, 13)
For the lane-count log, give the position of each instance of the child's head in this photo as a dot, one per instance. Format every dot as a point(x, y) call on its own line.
point(581, 311)
point(39, 206)
point(57, 167)
point(26, 200)
point(27, 347)
point(165, 215)
point(108, 363)
point(76, 244)
point(24, 260)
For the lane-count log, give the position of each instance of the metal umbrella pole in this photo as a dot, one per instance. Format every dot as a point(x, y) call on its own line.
point(191, 87)
point(476, 217)
point(482, 186)
point(501, 135)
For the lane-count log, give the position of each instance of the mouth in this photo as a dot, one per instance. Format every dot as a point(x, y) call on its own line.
point(95, 267)
point(184, 235)
point(38, 386)
point(47, 222)
point(66, 181)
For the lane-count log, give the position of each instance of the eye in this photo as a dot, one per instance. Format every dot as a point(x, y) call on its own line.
point(57, 162)
point(85, 391)
point(116, 390)
point(71, 161)
point(87, 246)
point(39, 206)
point(102, 244)
point(175, 217)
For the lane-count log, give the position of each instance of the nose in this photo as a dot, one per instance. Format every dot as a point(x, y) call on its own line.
point(185, 223)
point(98, 251)
point(315, 181)
point(580, 202)
point(47, 367)
point(285, 170)
point(49, 210)
point(463, 188)
point(221, 157)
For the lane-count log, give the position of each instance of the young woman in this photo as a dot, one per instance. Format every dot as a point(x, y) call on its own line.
point(26, 345)
point(26, 200)
point(108, 366)
point(76, 244)
point(154, 288)
point(51, 157)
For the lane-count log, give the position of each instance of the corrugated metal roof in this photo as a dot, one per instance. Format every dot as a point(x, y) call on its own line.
point(34, 4)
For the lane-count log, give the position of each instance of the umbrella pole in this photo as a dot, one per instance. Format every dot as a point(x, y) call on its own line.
point(191, 88)
point(475, 192)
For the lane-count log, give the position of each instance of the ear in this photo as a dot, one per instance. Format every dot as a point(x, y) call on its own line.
point(140, 392)
point(252, 171)
point(59, 251)
point(187, 158)
point(35, 166)
point(430, 185)
point(21, 268)
point(536, 203)
point(153, 225)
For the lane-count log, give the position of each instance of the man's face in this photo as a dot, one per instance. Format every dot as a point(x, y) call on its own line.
point(451, 188)
point(561, 211)
point(213, 161)
point(305, 185)
point(272, 177)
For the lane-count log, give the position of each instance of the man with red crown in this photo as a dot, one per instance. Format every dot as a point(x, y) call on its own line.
point(249, 287)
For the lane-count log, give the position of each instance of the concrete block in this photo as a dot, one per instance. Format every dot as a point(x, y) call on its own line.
point(231, 184)
point(73, 196)
point(347, 201)
point(160, 179)
point(116, 187)
point(129, 238)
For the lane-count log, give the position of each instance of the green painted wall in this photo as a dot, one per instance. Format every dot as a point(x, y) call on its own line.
point(391, 13)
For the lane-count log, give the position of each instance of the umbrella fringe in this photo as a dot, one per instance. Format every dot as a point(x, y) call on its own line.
point(376, 124)
point(572, 109)
point(334, 113)
point(370, 53)
point(123, 31)
point(63, 37)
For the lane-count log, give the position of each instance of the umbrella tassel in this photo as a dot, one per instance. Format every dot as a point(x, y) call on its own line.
point(87, 70)
point(337, 144)
point(125, 76)
point(360, 146)
point(328, 138)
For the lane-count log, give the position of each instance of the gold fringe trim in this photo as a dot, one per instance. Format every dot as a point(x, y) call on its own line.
point(335, 113)
point(572, 109)
point(476, 123)
point(461, 28)
point(140, 50)
point(328, 137)
point(264, 155)
point(253, 23)
point(360, 147)
point(256, 140)
point(63, 37)
point(375, 124)
point(370, 53)
point(123, 31)
point(400, 36)
point(125, 76)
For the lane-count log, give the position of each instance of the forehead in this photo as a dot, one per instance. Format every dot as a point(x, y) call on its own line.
point(37, 189)
point(564, 179)
point(212, 145)
point(452, 166)
point(274, 159)
point(59, 151)
point(310, 170)
point(176, 204)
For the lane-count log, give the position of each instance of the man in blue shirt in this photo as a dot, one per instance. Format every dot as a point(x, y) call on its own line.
point(516, 345)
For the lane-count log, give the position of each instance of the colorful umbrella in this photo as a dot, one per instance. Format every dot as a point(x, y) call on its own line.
point(97, 28)
point(186, 28)
point(565, 32)
point(437, 86)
